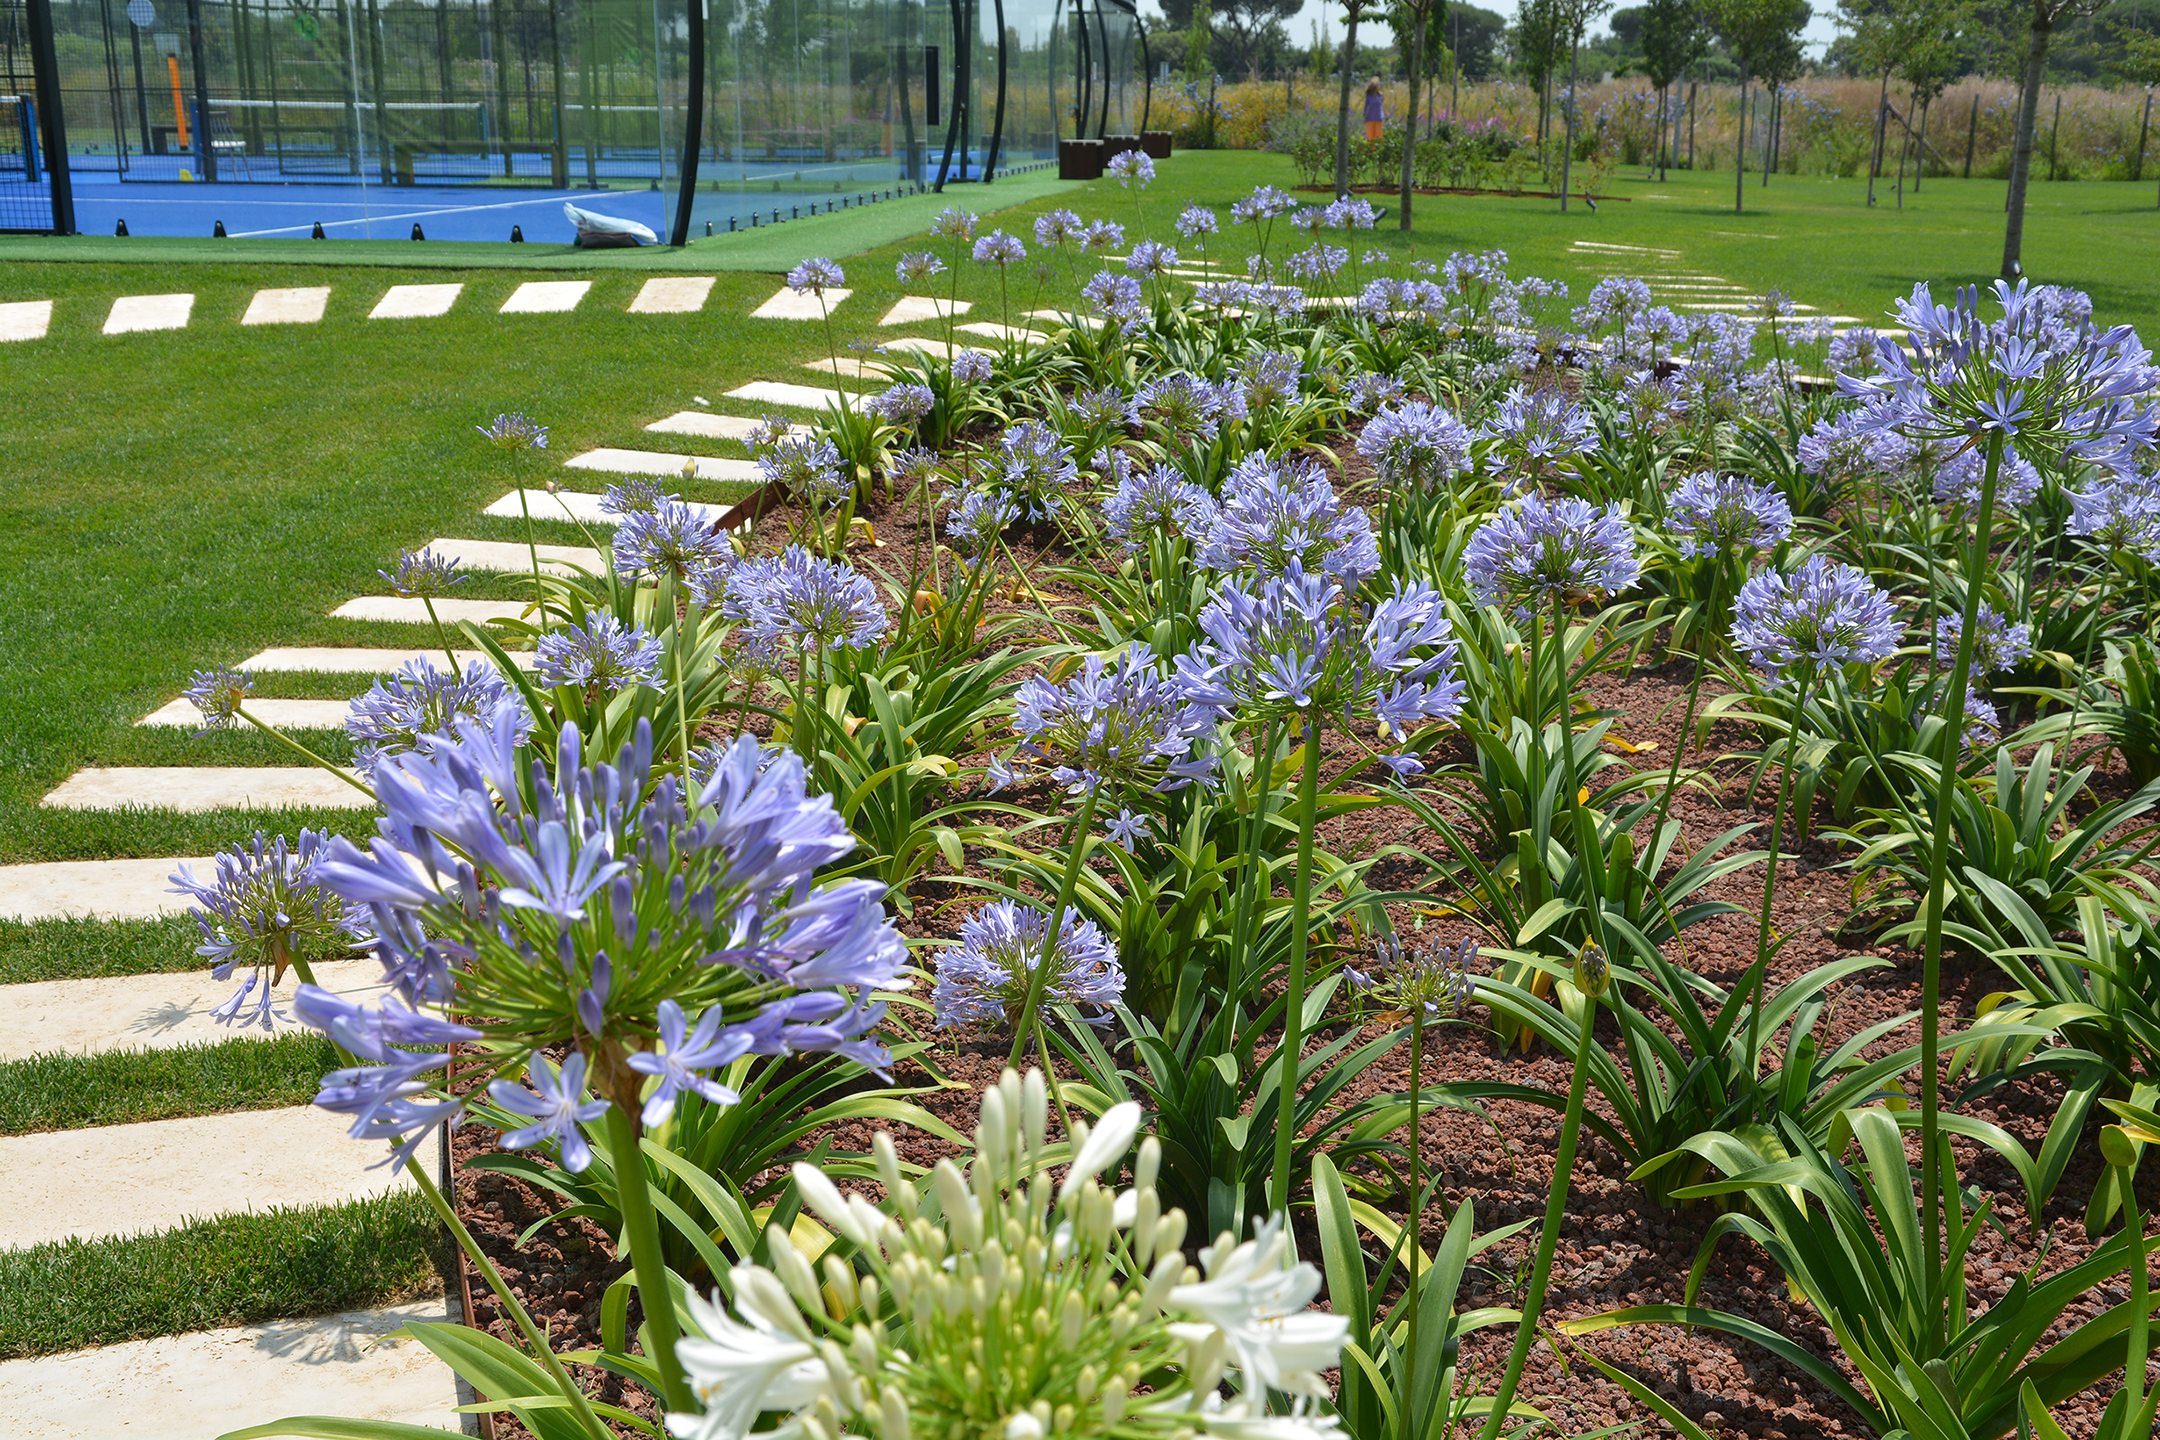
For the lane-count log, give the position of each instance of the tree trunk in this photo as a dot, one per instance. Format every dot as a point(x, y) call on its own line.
point(1409, 131)
point(1920, 155)
point(1342, 120)
point(1567, 143)
point(2021, 152)
point(1882, 118)
point(1739, 169)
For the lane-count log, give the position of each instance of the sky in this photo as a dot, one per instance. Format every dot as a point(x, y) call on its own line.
point(1820, 29)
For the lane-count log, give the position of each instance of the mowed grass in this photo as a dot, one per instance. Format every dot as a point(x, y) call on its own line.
point(122, 1087)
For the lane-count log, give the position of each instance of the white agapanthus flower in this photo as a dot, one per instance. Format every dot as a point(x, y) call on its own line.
point(985, 1302)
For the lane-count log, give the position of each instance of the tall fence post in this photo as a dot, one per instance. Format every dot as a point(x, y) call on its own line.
point(1972, 132)
point(45, 67)
point(2137, 167)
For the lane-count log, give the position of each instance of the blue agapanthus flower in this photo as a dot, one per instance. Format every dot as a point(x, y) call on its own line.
point(1034, 466)
point(423, 574)
point(1538, 553)
point(980, 518)
point(1001, 948)
point(1823, 614)
point(265, 908)
point(1000, 249)
point(1197, 220)
point(1727, 514)
point(816, 276)
point(1150, 258)
point(2118, 512)
point(797, 599)
point(670, 539)
point(916, 266)
point(1100, 237)
point(603, 653)
point(808, 467)
point(972, 367)
point(1538, 429)
point(420, 701)
point(1157, 501)
point(515, 432)
point(1116, 297)
point(643, 494)
point(1276, 513)
point(1270, 378)
point(218, 693)
point(904, 404)
point(1998, 645)
point(1416, 444)
point(1187, 406)
point(1958, 480)
point(557, 1106)
point(1056, 229)
point(1119, 720)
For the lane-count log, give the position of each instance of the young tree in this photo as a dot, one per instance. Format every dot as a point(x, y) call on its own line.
point(1575, 16)
point(2046, 15)
point(1416, 18)
point(1756, 31)
point(1534, 39)
point(1355, 8)
point(1673, 37)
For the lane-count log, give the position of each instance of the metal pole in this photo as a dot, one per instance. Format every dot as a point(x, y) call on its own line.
point(997, 116)
point(142, 91)
point(693, 126)
point(1972, 131)
point(2137, 168)
point(206, 153)
point(382, 107)
point(45, 68)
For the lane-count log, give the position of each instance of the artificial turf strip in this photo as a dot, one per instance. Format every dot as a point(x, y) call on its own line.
point(84, 949)
point(271, 1265)
point(121, 1087)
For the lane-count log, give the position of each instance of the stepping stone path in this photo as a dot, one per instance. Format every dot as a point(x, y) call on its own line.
point(284, 714)
point(1685, 290)
point(399, 611)
point(579, 506)
point(131, 313)
point(849, 368)
point(136, 1179)
point(1059, 317)
point(415, 302)
point(672, 295)
point(801, 397)
point(990, 329)
point(303, 306)
point(545, 297)
point(199, 1386)
point(25, 320)
point(704, 422)
point(151, 1012)
point(352, 660)
point(511, 557)
point(132, 889)
point(656, 462)
point(800, 305)
point(923, 345)
point(196, 788)
point(912, 308)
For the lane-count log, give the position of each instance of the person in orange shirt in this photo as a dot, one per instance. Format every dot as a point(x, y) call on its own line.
point(1374, 110)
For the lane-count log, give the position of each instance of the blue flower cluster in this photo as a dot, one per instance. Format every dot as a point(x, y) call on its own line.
point(986, 974)
point(1538, 553)
point(1277, 513)
point(420, 701)
point(1120, 721)
point(1823, 614)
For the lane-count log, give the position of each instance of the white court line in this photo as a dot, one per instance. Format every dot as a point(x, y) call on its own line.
point(370, 219)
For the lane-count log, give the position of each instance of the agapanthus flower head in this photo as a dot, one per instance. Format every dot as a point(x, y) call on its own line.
point(1728, 514)
point(2118, 512)
point(1415, 444)
point(264, 909)
point(1000, 249)
point(1150, 258)
point(798, 599)
point(423, 574)
point(1369, 391)
point(638, 495)
point(670, 539)
point(769, 431)
point(1196, 220)
point(986, 976)
point(1538, 553)
point(1270, 378)
point(1854, 352)
point(1034, 466)
point(1131, 169)
point(1537, 428)
point(1998, 645)
point(1352, 213)
point(1276, 513)
point(816, 276)
point(1295, 643)
point(218, 693)
point(1157, 501)
point(972, 367)
point(1056, 229)
point(515, 432)
point(979, 519)
point(1647, 405)
point(1429, 982)
point(1611, 304)
point(1118, 720)
point(401, 712)
point(1823, 614)
point(905, 403)
point(1267, 202)
point(1983, 722)
point(1317, 263)
point(602, 654)
point(1116, 297)
point(1187, 406)
point(1100, 237)
point(952, 224)
point(808, 467)
point(1102, 406)
point(917, 265)
point(1958, 480)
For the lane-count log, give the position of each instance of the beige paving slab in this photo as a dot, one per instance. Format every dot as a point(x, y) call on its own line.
point(400, 611)
point(302, 305)
point(284, 714)
point(704, 422)
point(150, 1012)
point(909, 309)
point(131, 313)
point(801, 397)
point(512, 557)
point(138, 1179)
point(849, 367)
point(925, 345)
point(1059, 317)
point(202, 1385)
point(580, 506)
point(800, 305)
point(672, 295)
point(415, 302)
point(546, 297)
point(25, 320)
point(361, 660)
point(659, 462)
point(990, 329)
point(206, 787)
point(131, 889)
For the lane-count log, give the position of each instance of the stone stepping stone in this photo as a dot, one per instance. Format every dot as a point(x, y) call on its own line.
point(357, 660)
point(415, 302)
point(204, 787)
point(849, 367)
point(799, 305)
point(131, 313)
point(132, 889)
point(672, 295)
point(704, 422)
point(301, 306)
point(284, 714)
point(142, 1178)
point(801, 397)
point(202, 1385)
point(579, 506)
point(150, 1012)
point(545, 297)
point(912, 308)
point(1059, 317)
point(925, 345)
point(659, 462)
point(397, 610)
point(512, 557)
point(25, 320)
point(1624, 249)
point(990, 329)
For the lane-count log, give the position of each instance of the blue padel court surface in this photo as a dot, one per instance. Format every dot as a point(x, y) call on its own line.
point(354, 212)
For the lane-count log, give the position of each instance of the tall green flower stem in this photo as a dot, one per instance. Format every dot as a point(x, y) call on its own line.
point(1293, 1035)
point(1257, 880)
point(1555, 1204)
point(1694, 690)
point(532, 548)
point(642, 1231)
point(306, 754)
point(1039, 975)
point(534, 1337)
point(1758, 973)
point(2117, 1150)
point(1953, 709)
point(1586, 836)
point(1413, 1291)
point(442, 636)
